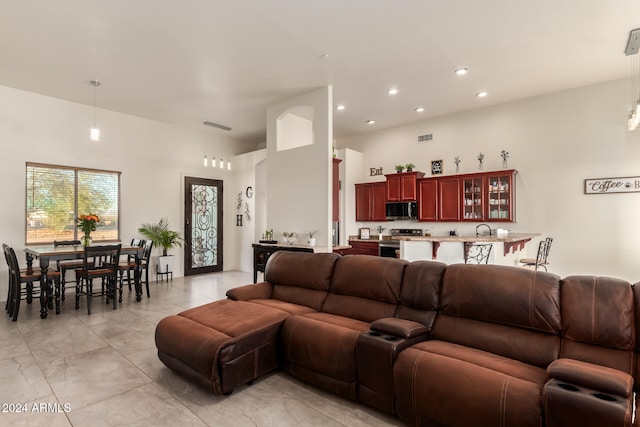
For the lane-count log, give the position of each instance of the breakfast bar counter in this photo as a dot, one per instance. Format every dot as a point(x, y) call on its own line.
point(451, 249)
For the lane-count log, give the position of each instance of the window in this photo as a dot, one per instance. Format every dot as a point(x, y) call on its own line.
point(56, 195)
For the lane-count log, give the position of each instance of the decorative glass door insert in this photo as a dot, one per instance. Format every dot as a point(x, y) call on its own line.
point(203, 225)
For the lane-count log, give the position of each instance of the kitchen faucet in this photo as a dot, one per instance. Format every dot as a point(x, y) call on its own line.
point(480, 225)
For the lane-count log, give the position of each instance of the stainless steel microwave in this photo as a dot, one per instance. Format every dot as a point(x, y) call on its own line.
point(402, 210)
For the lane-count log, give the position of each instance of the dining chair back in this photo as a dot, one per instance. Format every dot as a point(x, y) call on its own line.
point(64, 265)
point(99, 262)
point(144, 263)
point(28, 277)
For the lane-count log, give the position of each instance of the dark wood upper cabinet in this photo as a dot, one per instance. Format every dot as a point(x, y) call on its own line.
point(370, 201)
point(402, 187)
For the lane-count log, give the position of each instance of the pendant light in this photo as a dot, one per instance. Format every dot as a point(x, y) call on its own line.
point(633, 45)
point(95, 132)
point(205, 148)
point(213, 157)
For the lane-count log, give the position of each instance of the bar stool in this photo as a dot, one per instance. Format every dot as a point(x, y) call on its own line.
point(540, 261)
point(477, 253)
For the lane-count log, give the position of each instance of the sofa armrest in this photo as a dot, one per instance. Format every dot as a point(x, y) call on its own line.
point(262, 290)
point(596, 377)
point(400, 328)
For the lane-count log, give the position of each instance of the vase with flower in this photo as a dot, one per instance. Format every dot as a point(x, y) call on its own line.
point(87, 223)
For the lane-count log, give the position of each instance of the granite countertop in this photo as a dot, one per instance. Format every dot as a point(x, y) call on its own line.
point(511, 237)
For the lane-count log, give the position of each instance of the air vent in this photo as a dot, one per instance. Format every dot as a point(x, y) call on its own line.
point(425, 138)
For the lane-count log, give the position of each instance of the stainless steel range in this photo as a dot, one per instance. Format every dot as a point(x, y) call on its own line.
point(388, 248)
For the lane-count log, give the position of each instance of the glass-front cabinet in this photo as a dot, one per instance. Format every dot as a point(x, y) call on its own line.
point(489, 196)
point(472, 198)
point(500, 197)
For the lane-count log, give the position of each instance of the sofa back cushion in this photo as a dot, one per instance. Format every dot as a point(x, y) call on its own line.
point(364, 287)
point(300, 277)
point(510, 311)
point(598, 324)
point(420, 291)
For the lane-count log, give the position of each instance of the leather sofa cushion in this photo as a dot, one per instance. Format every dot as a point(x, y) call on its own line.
point(500, 294)
point(284, 306)
point(505, 365)
point(299, 277)
point(206, 336)
point(420, 292)
point(323, 343)
point(365, 288)
point(466, 387)
point(527, 346)
point(598, 310)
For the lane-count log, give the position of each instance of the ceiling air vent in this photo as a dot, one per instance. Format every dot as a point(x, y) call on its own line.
point(425, 138)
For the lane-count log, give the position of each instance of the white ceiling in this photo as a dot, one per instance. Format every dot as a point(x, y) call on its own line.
point(224, 61)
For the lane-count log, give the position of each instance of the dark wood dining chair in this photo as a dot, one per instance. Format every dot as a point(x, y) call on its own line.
point(22, 285)
point(144, 263)
point(99, 262)
point(128, 266)
point(67, 264)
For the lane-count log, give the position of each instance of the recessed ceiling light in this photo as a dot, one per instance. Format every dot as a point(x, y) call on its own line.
point(481, 94)
point(370, 122)
point(340, 107)
point(419, 109)
point(392, 91)
point(461, 71)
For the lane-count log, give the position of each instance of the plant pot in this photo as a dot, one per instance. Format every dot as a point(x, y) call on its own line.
point(311, 241)
point(164, 264)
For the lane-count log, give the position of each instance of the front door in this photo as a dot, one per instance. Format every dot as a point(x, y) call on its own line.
point(203, 226)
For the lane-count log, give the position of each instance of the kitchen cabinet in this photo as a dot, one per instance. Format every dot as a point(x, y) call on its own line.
point(359, 247)
point(501, 196)
point(473, 198)
point(477, 197)
point(370, 201)
point(489, 196)
point(402, 187)
point(439, 199)
point(449, 199)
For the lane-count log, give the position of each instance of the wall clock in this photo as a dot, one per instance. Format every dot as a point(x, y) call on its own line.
point(436, 167)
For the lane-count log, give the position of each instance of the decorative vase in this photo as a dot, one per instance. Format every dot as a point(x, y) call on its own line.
point(311, 241)
point(86, 239)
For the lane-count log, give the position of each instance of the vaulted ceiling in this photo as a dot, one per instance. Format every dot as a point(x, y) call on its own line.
point(225, 61)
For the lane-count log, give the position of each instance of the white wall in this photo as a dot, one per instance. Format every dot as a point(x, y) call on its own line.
point(555, 142)
point(153, 157)
point(299, 179)
point(240, 248)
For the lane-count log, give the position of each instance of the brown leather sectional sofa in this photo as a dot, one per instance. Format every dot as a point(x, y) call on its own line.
point(438, 345)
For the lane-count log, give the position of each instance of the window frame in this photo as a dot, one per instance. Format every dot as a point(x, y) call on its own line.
point(76, 170)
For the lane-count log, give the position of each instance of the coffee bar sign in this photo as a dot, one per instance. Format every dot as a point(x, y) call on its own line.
point(630, 184)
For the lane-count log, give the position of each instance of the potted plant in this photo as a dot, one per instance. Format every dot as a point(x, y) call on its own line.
point(409, 167)
point(163, 238)
point(311, 241)
point(399, 168)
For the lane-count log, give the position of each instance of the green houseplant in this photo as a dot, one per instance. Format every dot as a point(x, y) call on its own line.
point(163, 238)
point(399, 168)
point(409, 167)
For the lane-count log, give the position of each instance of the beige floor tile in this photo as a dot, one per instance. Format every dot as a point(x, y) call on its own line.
point(105, 367)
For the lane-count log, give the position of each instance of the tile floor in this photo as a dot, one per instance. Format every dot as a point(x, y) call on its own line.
point(75, 369)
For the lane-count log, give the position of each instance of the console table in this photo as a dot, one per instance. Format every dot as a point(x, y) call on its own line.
point(262, 252)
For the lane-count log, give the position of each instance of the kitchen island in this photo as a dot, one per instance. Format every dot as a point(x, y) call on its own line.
point(506, 250)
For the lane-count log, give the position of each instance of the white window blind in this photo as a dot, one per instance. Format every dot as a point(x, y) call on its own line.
point(56, 195)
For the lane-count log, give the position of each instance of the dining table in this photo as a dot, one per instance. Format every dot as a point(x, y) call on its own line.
point(48, 253)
